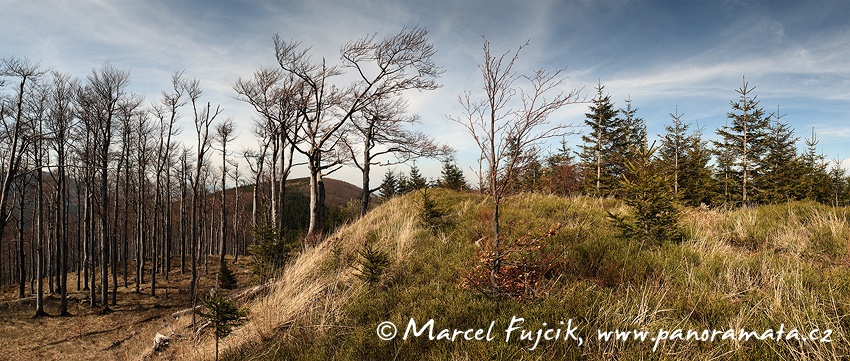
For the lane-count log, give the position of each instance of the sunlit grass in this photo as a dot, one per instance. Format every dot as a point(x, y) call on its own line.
point(754, 268)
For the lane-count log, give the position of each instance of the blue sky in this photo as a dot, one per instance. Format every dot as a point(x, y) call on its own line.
point(661, 54)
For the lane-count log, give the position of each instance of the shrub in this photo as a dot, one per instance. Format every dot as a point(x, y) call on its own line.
point(653, 217)
point(271, 251)
point(431, 216)
point(527, 264)
point(372, 262)
point(226, 278)
point(223, 316)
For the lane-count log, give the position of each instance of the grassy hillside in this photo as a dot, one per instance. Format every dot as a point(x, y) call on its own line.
point(758, 269)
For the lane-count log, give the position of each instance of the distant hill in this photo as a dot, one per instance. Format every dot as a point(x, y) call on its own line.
point(337, 192)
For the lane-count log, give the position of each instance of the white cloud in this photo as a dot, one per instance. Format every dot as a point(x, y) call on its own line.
point(789, 56)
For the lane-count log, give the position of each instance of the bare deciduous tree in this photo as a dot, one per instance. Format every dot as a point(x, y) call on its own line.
point(14, 129)
point(380, 130)
point(99, 101)
point(382, 68)
point(60, 122)
point(271, 93)
point(167, 113)
point(203, 116)
point(224, 135)
point(503, 126)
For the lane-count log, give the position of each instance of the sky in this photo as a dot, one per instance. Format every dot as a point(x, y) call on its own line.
point(665, 56)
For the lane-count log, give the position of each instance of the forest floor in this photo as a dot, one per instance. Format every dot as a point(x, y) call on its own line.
point(124, 332)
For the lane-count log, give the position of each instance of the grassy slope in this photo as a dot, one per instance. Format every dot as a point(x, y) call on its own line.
point(752, 268)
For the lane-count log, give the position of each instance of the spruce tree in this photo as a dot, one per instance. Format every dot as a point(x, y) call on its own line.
point(725, 180)
point(389, 186)
point(627, 135)
point(673, 151)
point(561, 176)
point(782, 168)
point(596, 155)
point(527, 171)
point(452, 177)
point(744, 141)
point(226, 278)
point(838, 183)
point(814, 184)
point(415, 180)
point(223, 316)
point(404, 185)
point(696, 184)
point(653, 217)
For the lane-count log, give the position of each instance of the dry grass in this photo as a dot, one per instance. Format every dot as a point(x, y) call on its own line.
point(752, 268)
point(307, 297)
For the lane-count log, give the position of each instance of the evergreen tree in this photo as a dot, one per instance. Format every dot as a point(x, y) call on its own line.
point(654, 216)
point(596, 156)
point(223, 316)
point(561, 176)
point(782, 167)
point(814, 184)
point(415, 180)
point(696, 184)
point(389, 186)
point(838, 183)
point(530, 177)
point(452, 177)
point(744, 142)
point(627, 137)
point(673, 151)
point(527, 172)
point(725, 180)
point(404, 185)
point(226, 278)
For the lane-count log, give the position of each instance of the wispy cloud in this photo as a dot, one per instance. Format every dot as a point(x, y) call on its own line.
point(661, 53)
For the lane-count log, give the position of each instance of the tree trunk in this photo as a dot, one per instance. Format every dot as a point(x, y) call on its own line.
point(183, 218)
point(80, 245)
point(281, 178)
point(316, 199)
point(141, 223)
point(125, 221)
point(86, 231)
point(497, 258)
point(104, 224)
point(277, 218)
point(366, 168)
point(90, 264)
point(223, 229)
point(255, 200)
point(39, 299)
point(236, 245)
point(22, 268)
point(114, 228)
point(168, 222)
point(62, 227)
point(744, 188)
point(599, 158)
